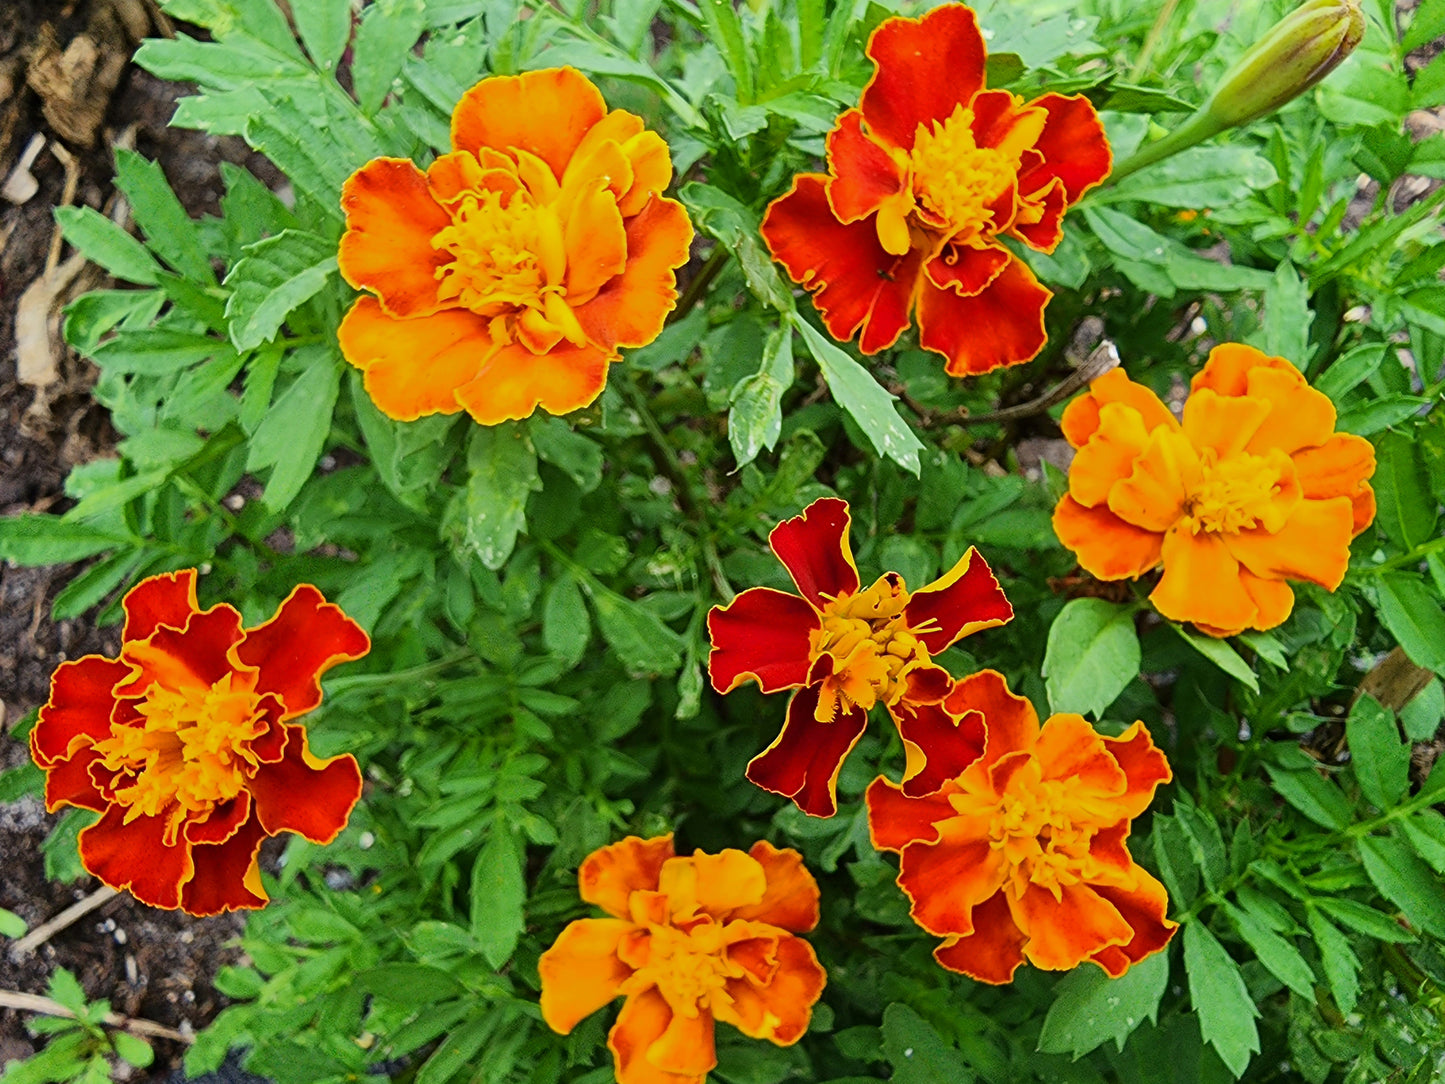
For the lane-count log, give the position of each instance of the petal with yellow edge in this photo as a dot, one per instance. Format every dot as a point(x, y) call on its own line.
point(963, 601)
point(762, 634)
point(814, 548)
point(1313, 545)
point(134, 857)
point(305, 794)
point(1064, 932)
point(306, 637)
point(926, 68)
point(781, 1009)
point(1003, 325)
point(513, 382)
point(167, 599)
point(993, 951)
point(804, 760)
point(227, 875)
point(896, 820)
point(790, 898)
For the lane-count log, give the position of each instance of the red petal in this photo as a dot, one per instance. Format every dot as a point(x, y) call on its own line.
point(1144, 909)
point(1145, 767)
point(926, 68)
point(1003, 325)
point(1048, 231)
point(631, 308)
point(993, 952)
point(227, 877)
point(939, 745)
point(764, 635)
point(863, 174)
point(270, 745)
point(1073, 144)
point(967, 271)
point(167, 599)
point(81, 699)
point(855, 283)
point(965, 600)
point(1013, 725)
point(896, 820)
point(804, 761)
point(514, 382)
point(134, 856)
point(948, 879)
point(307, 637)
point(391, 218)
point(69, 783)
point(199, 654)
point(304, 794)
point(223, 823)
point(814, 549)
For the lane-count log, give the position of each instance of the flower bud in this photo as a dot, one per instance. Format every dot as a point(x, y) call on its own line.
point(1297, 52)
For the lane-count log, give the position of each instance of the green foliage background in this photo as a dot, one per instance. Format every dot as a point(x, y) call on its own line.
point(537, 591)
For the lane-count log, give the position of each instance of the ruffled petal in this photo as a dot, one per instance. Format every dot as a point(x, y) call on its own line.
point(1223, 422)
point(199, 654)
point(1073, 145)
point(947, 879)
point(764, 635)
point(513, 382)
point(413, 367)
point(780, 1009)
point(1066, 931)
point(926, 68)
point(1313, 545)
point(1108, 457)
point(223, 822)
point(1105, 545)
point(306, 794)
point(1012, 724)
point(596, 242)
point(78, 712)
point(1153, 496)
point(937, 744)
point(644, 1018)
point(68, 782)
point(1144, 765)
point(581, 972)
point(963, 601)
point(1068, 748)
point(1340, 467)
point(863, 176)
point(1299, 417)
point(135, 857)
point(306, 637)
point(629, 310)
point(1143, 908)
point(1003, 325)
point(895, 820)
point(685, 1050)
point(993, 951)
point(391, 218)
point(1082, 416)
point(716, 884)
point(1046, 228)
point(1229, 365)
point(855, 282)
point(546, 112)
point(608, 877)
point(1274, 599)
point(1201, 582)
point(804, 760)
point(967, 271)
point(168, 599)
point(814, 548)
point(227, 875)
point(790, 899)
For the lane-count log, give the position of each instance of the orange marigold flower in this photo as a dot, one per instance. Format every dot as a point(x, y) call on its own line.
point(509, 273)
point(185, 745)
point(844, 650)
point(690, 941)
point(1021, 853)
point(924, 179)
point(1254, 488)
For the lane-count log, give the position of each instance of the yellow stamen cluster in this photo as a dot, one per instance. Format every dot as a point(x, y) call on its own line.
point(1033, 824)
point(1233, 494)
point(872, 646)
point(957, 182)
point(688, 964)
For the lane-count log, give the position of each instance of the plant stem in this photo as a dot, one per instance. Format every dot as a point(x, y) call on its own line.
point(1195, 130)
point(699, 284)
point(1419, 553)
point(1151, 41)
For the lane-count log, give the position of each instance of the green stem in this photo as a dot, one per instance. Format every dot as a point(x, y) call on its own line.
point(397, 677)
point(1151, 41)
point(1195, 130)
point(1416, 555)
point(699, 284)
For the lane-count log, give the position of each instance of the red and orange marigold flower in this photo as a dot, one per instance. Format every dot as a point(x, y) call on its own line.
point(844, 649)
point(690, 941)
point(510, 271)
point(187, 747)
point(1252, 489)
point(1020, 853)
point(925, 178)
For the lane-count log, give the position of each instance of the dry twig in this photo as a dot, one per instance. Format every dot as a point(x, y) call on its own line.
point(14, 999)
point(46, 930)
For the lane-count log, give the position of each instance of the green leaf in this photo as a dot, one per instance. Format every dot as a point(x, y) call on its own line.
point(1421, 716)
point(755, 418)
point(292, 436)
point(133, 1049)
point(1414, 618)
point(388, 31)
point(1266, 647)
point(1092, 653)
point(1405, 881)
point(1402, 489)
point(864, 399)
point(578, 456)
point(1279, 957)
point(1350, 370)
point(325, 27)
point(724, 27)
point(1225, 1009)
point(275, 278)
point(458, 1049)
point(499, 892)
point(735, 226)
point(22, 779)
point(1370, 418)
point(502, 471)
point(1160, 264)
point(1287, 316)
point(103, 242)
point(1427, 24)
point(308, 147)
point(1221, 654)
point(97, 581)
point(1195, 178)
point(642, 642)
point(1089, 1007)
point(565, 626)
point(1425, 831)
point(11, 924)
point(33, 539)
point(1318, 799)
point(1381, 761)
point(170, 232)
point(156, 351)
point(1365, 919)
point(1341, 965)
point(918, 1054)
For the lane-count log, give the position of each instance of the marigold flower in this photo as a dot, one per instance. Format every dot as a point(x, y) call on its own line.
point(509, 273)
point(1021, 853)
point(1254, 488)
point(690, 941)
point(844, 650)
point(185, 745)
point(924, 179)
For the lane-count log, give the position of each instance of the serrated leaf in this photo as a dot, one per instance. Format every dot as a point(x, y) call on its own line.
point(1221, 1000)
point(1195, 178)
point(755, 416)
point(103, 242)
point(1350, 370)
point(918, 1054)
point(735, 226)
point(292, 436)
point(1092, 653)
point(170, 232)
point(577, 455)
point(1414, 618)
point(565, 626)
point(1221, 654)
point(1365, 919)
point(1406, 507)
point(388, 31)
point(276, 277)
point(642, 642)
point(1425, 831)
point(325, 27)
point(1381, 761)
point(1341, 966)
point(498, 894)
point(33, 539)
point(1287, 316)
point(1089, 1007)
point(1318, 799)
point(1279, 957)
point(502, 471)
point(1405, 881)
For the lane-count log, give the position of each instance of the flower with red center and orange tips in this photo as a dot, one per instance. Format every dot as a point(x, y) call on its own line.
point(185, 745)
point(509, 273)
point(844, 650)
point(1020, 853)
point(924, 180)
point(690, 941)
point(1254, 488)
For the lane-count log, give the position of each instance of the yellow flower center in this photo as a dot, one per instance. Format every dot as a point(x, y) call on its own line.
point(1233, 494)
point(191, 753)
point(872, 645)
point(688, 965)
point(1034, 826)
point(957, 182)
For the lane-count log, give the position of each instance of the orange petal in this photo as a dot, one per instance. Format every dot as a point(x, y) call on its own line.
point(863, 175)
point(651, 171)
point(644, 1018)
point(1300, 417)
point(1143, 908)
point(947, 879)
point(896, 820)
point(1313, 544)
point(413, 367)
point(1105, 545)
point(1201, 582)
point(305, 794)
point(926, 68)
point(546, 112)
point(716, 884)
point(963, 601)
point(1222, 422)
point(513, 382)
point(855, 282)
point(1152, 496)
point(581, 971)
point(630, 309)
point(227, 876)
point(780, 1009)
point(1145, 768)
point(1073, 145)
point(1340, 467)
point(79, 709)
point(1273, 598)
point(1228, 368)
point(1068, 748)
point(167, 599)
point(1012, 723)
point(939, 746)
point(814, 549)
point(1081, 417)
point(1003, 325)
point(199, 654)
point(790, 900)
point(685, 1049)
point(306, 638)
point(1063, 933)
point(805, 758)
point(993, 951)
point(135, 857)
point(1108, 457)
point(764, 635)
point(967, 271)
point(596, 243)
point(609, 875)
point(391, 219)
